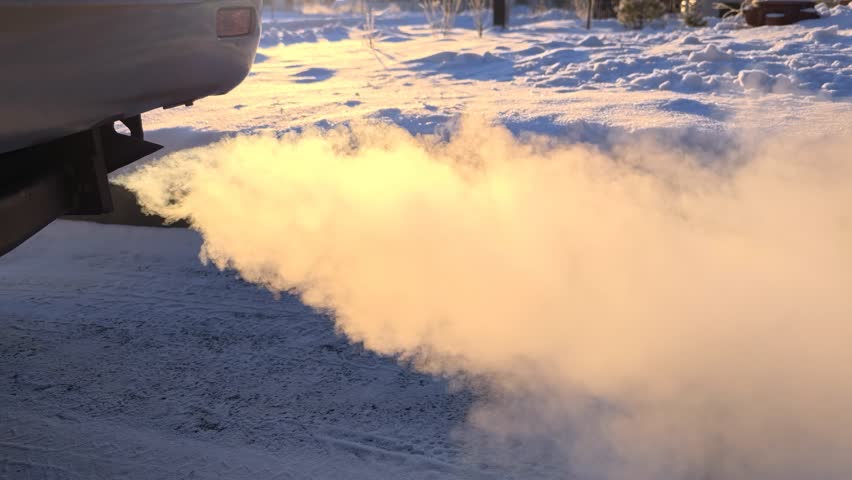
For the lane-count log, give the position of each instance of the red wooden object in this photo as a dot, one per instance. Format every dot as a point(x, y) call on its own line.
point(779, 12)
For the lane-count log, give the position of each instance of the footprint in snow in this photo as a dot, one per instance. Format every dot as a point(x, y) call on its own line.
point(313, 75)
point(591, 41)
point(690, 40)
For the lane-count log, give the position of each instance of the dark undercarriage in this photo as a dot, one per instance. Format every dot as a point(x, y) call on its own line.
point(67, 176)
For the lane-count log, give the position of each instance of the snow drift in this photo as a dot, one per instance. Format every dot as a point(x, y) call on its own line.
point(639, 313)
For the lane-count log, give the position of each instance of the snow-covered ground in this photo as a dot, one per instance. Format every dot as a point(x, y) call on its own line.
point(317, 70)
point(122, 356)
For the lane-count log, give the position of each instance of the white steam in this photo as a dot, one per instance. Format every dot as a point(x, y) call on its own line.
point(639, 314)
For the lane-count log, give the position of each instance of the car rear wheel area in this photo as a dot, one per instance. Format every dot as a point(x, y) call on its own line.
point(67, 176)
point(72, 69)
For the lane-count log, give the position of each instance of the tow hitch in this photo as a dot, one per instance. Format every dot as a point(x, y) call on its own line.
point(67, 176)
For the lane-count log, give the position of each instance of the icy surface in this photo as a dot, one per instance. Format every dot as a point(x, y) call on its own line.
point(122, 357)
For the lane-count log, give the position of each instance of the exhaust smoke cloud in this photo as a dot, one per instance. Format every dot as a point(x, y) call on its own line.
point(639, 313)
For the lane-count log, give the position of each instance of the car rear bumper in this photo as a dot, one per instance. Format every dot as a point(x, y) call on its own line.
point(71, 65)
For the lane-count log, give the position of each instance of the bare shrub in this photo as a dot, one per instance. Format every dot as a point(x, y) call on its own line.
point(636, 13)
point(729, 12)
point(587, 10)
point(479, 10)
point(369, 25)
point(692, 15)
point(583, 8)
point(441, 14)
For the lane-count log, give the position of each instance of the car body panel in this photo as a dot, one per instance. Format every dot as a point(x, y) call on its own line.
point(71, 65)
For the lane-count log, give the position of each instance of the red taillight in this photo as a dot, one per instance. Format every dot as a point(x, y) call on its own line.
point(234, 22)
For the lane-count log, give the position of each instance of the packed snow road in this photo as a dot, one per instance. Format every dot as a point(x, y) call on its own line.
point(123, 356)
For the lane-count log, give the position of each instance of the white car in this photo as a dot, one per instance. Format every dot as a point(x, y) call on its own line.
point(72, 68)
